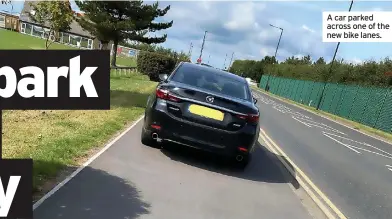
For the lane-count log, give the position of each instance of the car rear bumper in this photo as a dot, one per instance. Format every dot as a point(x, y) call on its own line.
point(175, 130)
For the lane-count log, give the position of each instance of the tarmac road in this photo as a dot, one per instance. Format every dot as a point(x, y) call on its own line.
point(130, 180)
point(352, 169)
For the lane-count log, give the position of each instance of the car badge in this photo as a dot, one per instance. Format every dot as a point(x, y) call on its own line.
point(210, 99)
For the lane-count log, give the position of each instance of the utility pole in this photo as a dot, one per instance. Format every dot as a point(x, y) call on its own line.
point(224, 62)
point(209, 56)
point(202, 45)
point(276, 51)
point(330, 67)
point(231, 60)
point(190, 50)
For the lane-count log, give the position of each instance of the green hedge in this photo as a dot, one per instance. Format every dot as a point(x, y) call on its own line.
point(153, 64)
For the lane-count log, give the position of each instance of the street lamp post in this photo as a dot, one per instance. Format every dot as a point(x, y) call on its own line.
point(330, 67)
point(190, 51)
point(231, 60)
point(276, 51)
point(224, 63)
point(202, 45)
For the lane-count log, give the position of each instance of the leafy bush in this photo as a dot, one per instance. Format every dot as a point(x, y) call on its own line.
point(153, 64)
point(367, 73)
point(251, 68)
point(181, 56)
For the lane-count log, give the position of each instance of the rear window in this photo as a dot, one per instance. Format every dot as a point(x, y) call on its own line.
point(210, 81)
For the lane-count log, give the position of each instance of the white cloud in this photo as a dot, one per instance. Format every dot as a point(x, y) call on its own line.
point(243, 16)
point(267, 51)
point(377, 9)
point(206, 4)
point(243, 28)
point(355, 61)
point(308, 29)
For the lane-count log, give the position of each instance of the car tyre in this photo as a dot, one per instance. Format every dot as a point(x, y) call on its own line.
point(243, 164)
point(146, 139)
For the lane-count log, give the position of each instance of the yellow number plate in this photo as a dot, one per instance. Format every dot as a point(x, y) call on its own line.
point(206, 112)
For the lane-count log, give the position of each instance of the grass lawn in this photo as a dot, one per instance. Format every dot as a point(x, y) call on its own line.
point(14, 40)
point(62, 140)
point(366, 129)
point(126, 61)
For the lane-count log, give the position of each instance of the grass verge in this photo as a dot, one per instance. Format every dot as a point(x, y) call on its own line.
point(126, 61)
point(59, 139)
point(358, 126)
point(13, 40)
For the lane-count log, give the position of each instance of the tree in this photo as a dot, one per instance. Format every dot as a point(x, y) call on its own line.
point(306, 60)
point(269, 60)
point(57, 15)
point(119, 21)
point(4, 2)
point(320, 61)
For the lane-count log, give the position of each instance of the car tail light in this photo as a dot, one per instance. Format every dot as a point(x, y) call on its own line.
point(165, 95)
point(158, 127)
point(252, 118)
point(243, 149)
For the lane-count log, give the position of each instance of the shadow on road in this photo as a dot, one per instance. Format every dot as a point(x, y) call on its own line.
point(94, 193)
point(264, 166)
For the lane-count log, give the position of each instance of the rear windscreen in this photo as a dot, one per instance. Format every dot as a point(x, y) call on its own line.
point(210, 81)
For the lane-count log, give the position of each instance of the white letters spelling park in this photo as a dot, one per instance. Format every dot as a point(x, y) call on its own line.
point(76, 80)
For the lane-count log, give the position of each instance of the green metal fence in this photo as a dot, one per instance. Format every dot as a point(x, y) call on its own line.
point(371, 106)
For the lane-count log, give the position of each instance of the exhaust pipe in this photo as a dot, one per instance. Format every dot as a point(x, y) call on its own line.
point(239, 158)
point(156, 137)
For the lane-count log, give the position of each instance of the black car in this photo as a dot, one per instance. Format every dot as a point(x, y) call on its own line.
point(204, 108)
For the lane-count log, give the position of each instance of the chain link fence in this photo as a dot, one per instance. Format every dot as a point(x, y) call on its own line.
point(371, 106)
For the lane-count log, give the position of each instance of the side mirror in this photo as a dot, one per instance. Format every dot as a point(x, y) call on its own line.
point(163, 77)
point(254, 100)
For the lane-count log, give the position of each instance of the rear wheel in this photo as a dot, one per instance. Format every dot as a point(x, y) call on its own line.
point(146, 139)
point(243, 163)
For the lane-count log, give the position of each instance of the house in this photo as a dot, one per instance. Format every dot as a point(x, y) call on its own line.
point(76, 36)
point(9, 21)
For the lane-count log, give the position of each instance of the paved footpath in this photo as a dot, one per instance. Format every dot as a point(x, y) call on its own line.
point(130, 180)
point(352, 169)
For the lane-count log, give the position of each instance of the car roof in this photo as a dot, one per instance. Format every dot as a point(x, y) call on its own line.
point(213, 70)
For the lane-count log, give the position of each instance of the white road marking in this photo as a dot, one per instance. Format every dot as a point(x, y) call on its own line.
point(347, 146)
point(353, 148)
point(301, 177)
point(65, 181)
point(284, 109)
point(337, 122)
point(278, 109)
point(301, 122)
point(311, 123)
point(266, 101)
point(363, 149)
point(281, 108)
point(366, 144)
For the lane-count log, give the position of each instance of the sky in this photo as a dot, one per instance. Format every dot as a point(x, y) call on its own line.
point(243, 27)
